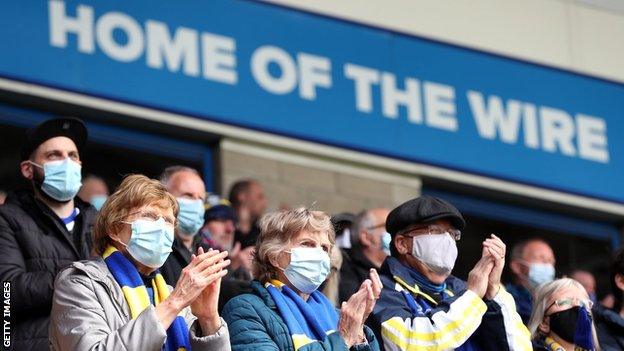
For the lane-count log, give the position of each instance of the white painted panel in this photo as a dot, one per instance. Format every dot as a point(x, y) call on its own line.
point(600, 40)
point(578, 35)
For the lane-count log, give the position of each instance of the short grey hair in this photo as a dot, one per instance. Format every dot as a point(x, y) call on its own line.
point(363, 221)
point(517, 252)
point(166, 175)
point(541, 303)
point(276, 231)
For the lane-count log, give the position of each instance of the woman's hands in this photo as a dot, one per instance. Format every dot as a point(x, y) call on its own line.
point(204, 269)
point(355, 311)
point(205, 306)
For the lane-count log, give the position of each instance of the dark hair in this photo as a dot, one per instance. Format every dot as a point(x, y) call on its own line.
point(239, 187)
point(617, 267)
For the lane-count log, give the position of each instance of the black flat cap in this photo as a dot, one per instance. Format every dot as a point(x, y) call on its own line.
point(423, 209)
point(72, 128)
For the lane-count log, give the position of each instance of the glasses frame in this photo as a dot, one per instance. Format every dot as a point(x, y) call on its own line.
point(453, 232)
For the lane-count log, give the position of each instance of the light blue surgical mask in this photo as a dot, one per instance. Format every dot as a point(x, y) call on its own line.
point(62, 179)
point(151, 241)
point(308, 268)
point(191, 216)
point(98, 201)
point(540, 273)
point(386, 239)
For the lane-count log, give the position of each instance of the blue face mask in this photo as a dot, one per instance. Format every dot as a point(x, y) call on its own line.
point(98, 201)
point(308, 268)
point(540, 273)
point(191, 216)
point(62, 179)
point(386, 239)
point(150, 242)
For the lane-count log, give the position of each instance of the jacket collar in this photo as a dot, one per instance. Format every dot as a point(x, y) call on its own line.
point(259, 289)
point(97, 271)
point(403, 276)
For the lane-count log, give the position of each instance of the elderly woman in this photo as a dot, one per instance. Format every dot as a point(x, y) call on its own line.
point(120, 301)
point(285, 310)
point(561, 318)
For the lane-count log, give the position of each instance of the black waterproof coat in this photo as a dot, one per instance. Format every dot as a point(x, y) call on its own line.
point(34, 246)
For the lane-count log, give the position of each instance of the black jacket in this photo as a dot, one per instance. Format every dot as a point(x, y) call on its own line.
point(610, 328)
point(180, 258)
point(354, 270)
point(34, 246)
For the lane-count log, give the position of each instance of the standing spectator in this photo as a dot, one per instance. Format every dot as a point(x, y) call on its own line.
point(561, 319)
point(610, 321)
point(218, 234)
point(532, 263)
point(187, 186)
point(587, 280)
point(93, 190)
point(422, 306)
point(248, 199)
point(370, 244)
point(45, 228)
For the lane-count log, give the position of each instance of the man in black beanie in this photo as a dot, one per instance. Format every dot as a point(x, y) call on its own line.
point(422, 306)
point(45, 228)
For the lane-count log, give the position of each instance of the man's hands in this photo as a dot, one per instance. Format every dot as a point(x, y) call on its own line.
point(496, 250)
point(484, 278)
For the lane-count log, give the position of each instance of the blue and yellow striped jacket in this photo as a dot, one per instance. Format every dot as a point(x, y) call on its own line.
point(407, 318)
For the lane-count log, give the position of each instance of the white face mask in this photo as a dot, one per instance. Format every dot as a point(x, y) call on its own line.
point(437, 251)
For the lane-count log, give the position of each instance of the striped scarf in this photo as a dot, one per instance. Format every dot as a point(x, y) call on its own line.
point(308, 321)
point(138, 298)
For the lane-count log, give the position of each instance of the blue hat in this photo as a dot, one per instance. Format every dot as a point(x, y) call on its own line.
point(220, 212)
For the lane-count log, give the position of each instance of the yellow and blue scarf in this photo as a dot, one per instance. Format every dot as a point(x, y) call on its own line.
point(308, 321)
point(138, 298)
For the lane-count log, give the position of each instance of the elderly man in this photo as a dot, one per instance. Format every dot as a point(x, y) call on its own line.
point(370, 244)
point(44, 229)
point(422, 306)
point(532, 263)
point(218, 233)
point(188, 187)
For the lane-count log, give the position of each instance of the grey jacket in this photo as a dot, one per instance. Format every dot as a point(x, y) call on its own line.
point(90, 312)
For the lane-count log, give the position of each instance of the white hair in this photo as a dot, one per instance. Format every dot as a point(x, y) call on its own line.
point(541, 300)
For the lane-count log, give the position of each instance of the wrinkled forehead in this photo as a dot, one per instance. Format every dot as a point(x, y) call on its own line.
point(317, 236)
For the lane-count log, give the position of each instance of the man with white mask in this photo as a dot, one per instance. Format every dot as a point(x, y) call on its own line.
point(45, 228)
point(422, 306)
point(189, 189)
point(532, 264)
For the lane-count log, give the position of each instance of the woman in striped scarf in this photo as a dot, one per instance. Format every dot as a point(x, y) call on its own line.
point(286, 310)
point(119, 301)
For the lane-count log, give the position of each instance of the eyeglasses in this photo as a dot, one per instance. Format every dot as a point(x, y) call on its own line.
point(153, 216)
point(433, 230)
point(571, 302)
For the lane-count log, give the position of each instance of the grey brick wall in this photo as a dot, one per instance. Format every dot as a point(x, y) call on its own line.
point(330, 190)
